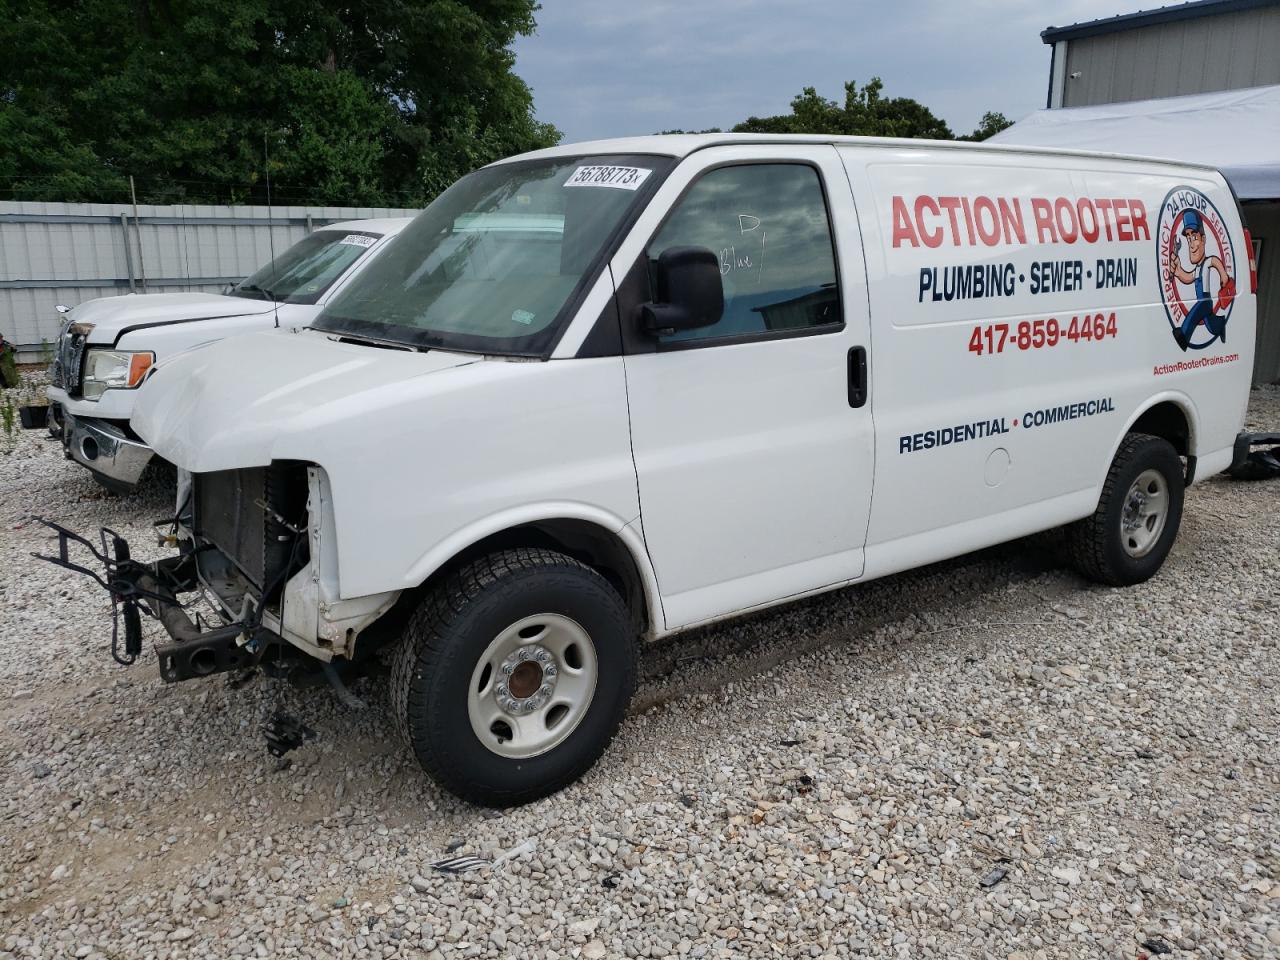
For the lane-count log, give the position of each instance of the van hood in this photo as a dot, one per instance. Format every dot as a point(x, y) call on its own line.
point(111, 315)
point(245, 401)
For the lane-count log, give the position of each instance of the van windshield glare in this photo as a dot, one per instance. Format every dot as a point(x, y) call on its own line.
point(493, 264)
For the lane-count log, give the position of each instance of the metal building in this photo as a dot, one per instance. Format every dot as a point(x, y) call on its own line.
point(1195, 47)
point(1141, 60)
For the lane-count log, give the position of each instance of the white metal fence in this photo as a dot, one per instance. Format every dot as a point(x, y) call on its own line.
point(52, 253)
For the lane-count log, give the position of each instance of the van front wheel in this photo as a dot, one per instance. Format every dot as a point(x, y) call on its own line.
point(513, 676)
point(1127, 538)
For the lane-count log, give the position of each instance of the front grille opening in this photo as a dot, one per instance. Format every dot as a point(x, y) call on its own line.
point(267, 545)
point(69, 358)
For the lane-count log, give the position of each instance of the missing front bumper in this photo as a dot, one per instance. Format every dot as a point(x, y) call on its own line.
point(152, 589)
point(1256, 456)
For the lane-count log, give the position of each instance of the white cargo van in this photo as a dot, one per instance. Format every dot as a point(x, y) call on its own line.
point(612, 391)
point(107, 346)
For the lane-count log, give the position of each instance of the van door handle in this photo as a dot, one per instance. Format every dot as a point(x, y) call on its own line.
point(857, 376)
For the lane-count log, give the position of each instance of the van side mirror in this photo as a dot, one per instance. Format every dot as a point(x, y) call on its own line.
point(690, 293)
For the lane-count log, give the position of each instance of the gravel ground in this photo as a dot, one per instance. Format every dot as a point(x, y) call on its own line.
point(985, 758)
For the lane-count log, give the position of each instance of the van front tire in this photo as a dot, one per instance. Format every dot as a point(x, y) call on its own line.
point(514, 675)
point(1127, 538)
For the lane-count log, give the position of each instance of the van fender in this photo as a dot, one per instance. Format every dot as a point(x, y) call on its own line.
point(1178, 399)
point(628, 532)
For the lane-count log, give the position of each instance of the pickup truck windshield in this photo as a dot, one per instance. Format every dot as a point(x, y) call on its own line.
point(306, 270)
point(494, 263)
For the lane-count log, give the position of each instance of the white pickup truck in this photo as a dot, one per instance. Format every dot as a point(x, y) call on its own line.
point(107, 347)
point(613, 391)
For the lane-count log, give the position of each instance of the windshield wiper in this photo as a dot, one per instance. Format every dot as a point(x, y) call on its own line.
point(254, 288)
point(371, 341)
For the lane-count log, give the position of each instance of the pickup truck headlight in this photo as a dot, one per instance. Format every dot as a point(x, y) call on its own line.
point(114, 370)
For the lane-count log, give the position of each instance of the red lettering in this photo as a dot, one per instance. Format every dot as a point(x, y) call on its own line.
point(1011, 221)
point(1043, 213)
point(1121, 208)
point(931, 238)
point(1140, 230)
point(1068, 230)
point(968, 220)
point(951, 205)
point(903, 232)
point(991, 236)
point(1088, 233)
point(1104, 206)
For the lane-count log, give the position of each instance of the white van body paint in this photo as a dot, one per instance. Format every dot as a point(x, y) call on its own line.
point(738, 476)
point(361, 414)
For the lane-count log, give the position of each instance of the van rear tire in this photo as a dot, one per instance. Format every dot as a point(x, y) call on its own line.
point(514, 675)
point(1127, 538)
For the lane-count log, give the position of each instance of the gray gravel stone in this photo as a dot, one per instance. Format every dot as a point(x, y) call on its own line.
point(832, 778)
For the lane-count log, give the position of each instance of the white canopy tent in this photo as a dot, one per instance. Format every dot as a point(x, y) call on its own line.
point(1237, 131)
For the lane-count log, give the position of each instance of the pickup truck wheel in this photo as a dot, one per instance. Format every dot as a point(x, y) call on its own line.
point(513, 676)
point(1127, 538)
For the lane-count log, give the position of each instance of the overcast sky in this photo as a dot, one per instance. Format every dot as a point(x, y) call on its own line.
point(605, 68)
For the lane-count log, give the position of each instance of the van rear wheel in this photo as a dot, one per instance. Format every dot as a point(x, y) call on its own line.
point(1127, 538)
point(514, 675)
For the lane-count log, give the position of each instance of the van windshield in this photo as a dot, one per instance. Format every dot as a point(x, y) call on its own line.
point(307, 269)
point(493, 263)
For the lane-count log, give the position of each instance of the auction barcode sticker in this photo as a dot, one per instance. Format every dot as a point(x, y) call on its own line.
point(359, 240)
point(621, 178)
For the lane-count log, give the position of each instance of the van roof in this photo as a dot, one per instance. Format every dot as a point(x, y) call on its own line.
point(383, 225)
point(683, 144)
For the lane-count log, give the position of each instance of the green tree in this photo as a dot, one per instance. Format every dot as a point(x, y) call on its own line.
point(384, 102)
point(865, 112)
point(989, 126)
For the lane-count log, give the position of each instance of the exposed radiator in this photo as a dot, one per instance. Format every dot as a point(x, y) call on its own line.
point(229, 514)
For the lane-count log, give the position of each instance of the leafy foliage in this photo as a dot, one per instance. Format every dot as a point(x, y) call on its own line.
point(384, 102)
point(990, 125)
point(865, 112)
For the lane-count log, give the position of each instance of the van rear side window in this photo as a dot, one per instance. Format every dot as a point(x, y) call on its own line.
point(768, 225)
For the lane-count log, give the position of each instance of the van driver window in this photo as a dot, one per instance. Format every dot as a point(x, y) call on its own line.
point(767, 224)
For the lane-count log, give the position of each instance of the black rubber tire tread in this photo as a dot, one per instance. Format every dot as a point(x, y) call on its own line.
point(1094, 543)
point(436, 637)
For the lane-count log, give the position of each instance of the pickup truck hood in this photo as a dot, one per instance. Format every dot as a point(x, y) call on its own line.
point(111, 315)
point(245, 401)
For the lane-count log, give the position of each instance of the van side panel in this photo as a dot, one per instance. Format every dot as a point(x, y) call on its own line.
point(1215, 374)
point(1019, 325)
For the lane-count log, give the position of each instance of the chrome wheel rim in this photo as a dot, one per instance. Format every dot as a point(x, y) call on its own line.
point(532, 686)
point(1146, 508)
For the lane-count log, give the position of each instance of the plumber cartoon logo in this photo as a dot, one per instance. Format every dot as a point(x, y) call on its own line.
point(1197, 268)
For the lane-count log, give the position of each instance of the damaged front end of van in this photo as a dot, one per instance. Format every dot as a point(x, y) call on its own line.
point(249, 582)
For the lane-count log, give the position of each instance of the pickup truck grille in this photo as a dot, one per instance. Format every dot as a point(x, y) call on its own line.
point(241, 512)
point(68, 358)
